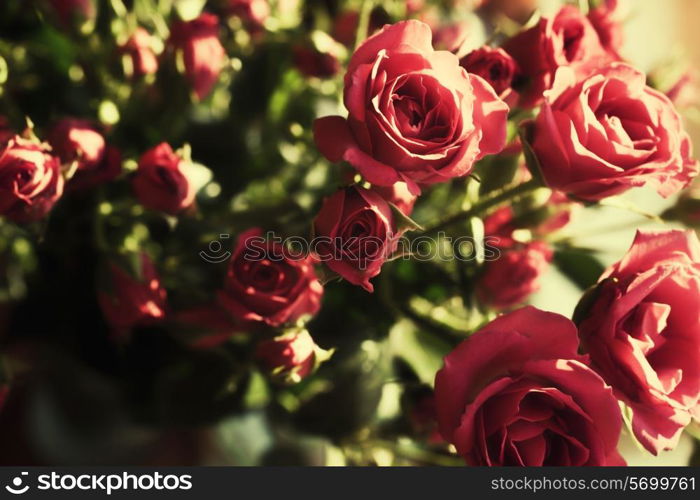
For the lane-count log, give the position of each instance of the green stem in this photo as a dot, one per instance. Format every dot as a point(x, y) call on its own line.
point(490, 201)
point(363, 22)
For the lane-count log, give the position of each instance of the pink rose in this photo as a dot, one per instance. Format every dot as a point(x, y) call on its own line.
point(567, 39)
point(641, 327)
point(414, 114)
point(290, 357)
point(495, 66)
point(609, 133)
point(80, 141)
point(267, 284)
point(607, 19)
point(138, 49)
point(160, 182)
point(515, 275)
point(129, 300)
point(517, 393)
point(30, 180)
point(357, 233)
point(312, 62)
point(252, 12)
point(203, 53)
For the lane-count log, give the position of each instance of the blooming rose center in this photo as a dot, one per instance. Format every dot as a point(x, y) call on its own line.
point(572, 36)
point(418, 112)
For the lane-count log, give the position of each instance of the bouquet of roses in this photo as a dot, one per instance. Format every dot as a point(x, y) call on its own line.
point(252, 231)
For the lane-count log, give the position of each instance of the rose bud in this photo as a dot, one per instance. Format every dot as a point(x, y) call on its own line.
point(289, 357)
point(30, 180)
point(684, 91)
point(640, 326)
point(266, 283)
point(161, 183)
point(203, 53)
point(453, 37)
point(568, 39)
point(516, 393)
point(399, 195)
point(608, 133)
point(345, 24)
point(312, 62)
point(496, 67)
point(415, 115)
point(138, 50)
point(356, 233)
point(80, 141)
point(79, 13)
point(252, 12)
point(517, 10)
point(130, 300)
point(607, 19)
point(514, 276)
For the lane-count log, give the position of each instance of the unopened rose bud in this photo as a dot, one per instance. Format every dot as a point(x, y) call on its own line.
point(131, 299)
point(80, 141)
point(289, 357)
point(203, 54)
point(161, 181)
point(138, 49)
point(75, 13)
point(510, 279)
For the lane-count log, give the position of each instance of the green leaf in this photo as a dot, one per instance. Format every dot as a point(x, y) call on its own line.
point(403, 221)
point(579, 265)
point(531, 160)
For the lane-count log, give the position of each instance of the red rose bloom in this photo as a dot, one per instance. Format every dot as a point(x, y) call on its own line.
point(138, 49)
point(516, 393)
point(606, 18)
point(515, 275)
point(609, 133)
point(129, 300)
point(291, 356)
point(641, 327)
point(203, 53)
point(160, 182)
point(267, 284)
point(357, 233)
point(399, 195)
point(453, 37)
point(75, 140)
point(567, 39)
point(30, 180)
point(252, 12)
point(495, 66)
point(74, 11)
point(414, 114)
point(312, 62)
